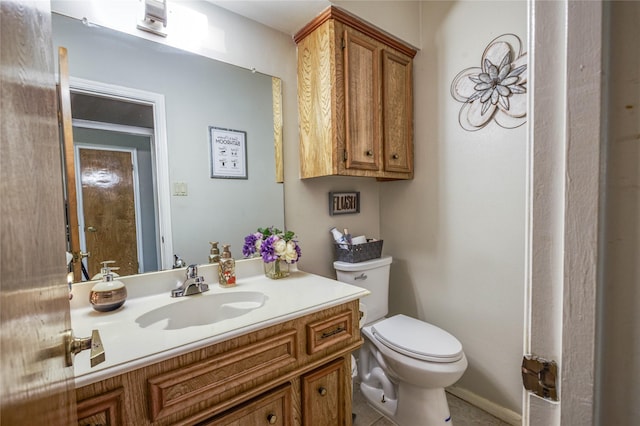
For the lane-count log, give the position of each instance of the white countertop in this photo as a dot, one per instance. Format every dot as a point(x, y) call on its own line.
point(129, 346)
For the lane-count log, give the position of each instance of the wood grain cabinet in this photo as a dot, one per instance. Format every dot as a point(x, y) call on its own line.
point(274, 408)
point(102, 410)
point(355, 99)
point(293, 373)
point(322, 392)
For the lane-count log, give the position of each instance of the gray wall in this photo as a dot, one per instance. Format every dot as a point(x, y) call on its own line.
point(456, 231)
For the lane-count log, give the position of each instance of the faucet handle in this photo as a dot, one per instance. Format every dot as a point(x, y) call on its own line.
point(178, 262)
point(192, 271)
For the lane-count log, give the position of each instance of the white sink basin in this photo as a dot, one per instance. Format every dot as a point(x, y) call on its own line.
point(201, 309)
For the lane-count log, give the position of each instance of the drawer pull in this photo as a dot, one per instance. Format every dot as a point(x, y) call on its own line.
point(395, 156)
point(369, 153)
point(322, 391)
point(332, 333)
point(272, 419)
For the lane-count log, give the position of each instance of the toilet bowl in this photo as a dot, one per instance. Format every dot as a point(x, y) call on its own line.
point(414, 393)
point(404, 364)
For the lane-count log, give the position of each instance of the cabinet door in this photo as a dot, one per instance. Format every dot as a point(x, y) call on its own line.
point(102, 410)
point(274, 408)
point(362, 102)
point(324, 397)
point(397, 111)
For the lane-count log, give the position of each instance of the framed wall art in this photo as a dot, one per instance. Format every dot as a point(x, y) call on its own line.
point(228, 153)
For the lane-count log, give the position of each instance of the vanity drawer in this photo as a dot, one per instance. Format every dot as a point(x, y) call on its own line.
point(223, 376)
point(273, 408)
point(328, 332)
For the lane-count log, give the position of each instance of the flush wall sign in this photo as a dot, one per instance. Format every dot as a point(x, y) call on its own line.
point(344, 203)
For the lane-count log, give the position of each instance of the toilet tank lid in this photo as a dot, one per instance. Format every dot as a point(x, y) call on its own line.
point(362, 266)
point(418, 339)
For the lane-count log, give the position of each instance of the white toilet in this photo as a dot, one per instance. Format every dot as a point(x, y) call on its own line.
point(404, 364)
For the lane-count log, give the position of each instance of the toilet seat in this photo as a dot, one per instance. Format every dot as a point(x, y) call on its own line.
point(417, 339)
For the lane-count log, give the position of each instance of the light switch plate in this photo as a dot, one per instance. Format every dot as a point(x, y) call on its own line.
point(180, 189)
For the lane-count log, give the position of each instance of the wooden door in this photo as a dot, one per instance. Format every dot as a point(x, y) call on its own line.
point(362, 102)
point(36, 387)
point(397, 112)
point(108, 207)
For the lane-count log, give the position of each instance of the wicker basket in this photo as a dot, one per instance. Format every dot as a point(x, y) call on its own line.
point(354, 253)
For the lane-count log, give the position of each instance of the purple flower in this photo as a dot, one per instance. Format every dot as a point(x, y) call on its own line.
point(267, 250)
point(250, 246)
point(298, 250)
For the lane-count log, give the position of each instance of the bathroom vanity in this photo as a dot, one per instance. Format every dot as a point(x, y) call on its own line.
point(263, 352)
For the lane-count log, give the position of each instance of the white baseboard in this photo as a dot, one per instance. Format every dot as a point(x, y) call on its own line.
point(492, 408)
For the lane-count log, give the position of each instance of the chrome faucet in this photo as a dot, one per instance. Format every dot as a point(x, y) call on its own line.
point(194, 284)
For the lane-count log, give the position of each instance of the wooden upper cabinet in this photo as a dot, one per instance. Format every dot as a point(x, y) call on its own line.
point(397, 105)
point(362, 100)
point(355, 99)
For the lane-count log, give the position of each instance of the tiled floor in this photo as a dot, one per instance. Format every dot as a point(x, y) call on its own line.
point(462, 413)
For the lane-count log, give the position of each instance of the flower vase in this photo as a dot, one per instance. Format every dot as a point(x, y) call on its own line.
point(276, 269)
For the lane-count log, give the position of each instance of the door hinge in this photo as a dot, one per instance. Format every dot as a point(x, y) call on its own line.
point(344, 157)
point(344, 45)
point(539, 376)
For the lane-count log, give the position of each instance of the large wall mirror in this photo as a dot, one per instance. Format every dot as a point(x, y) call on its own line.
point(114, 128)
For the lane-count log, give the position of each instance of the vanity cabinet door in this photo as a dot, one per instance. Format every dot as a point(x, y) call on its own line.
point(102, 410)
point(273, 408)
point(325, 400)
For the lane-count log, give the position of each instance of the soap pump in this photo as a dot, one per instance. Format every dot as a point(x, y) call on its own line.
point(226, 268)
point(108, 294)
point(214, 255)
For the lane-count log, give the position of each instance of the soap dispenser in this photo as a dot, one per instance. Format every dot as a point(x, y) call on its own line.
point(226, 268)
point(214, 255)
point(108, 294)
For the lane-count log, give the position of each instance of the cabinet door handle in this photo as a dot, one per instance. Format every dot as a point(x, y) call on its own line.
point(322, 391)
point(272, 419)
point(395, 156)
point(369, 153)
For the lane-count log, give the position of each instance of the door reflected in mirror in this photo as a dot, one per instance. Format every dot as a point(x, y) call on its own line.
point(196, 93)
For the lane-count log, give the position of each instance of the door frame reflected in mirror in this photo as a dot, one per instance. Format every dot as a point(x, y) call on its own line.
point(159, 153)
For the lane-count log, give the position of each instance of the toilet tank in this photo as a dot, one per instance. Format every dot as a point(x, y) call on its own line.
point(372, 275)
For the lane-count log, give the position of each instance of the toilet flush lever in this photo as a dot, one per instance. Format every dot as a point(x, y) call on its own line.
point(362, 276)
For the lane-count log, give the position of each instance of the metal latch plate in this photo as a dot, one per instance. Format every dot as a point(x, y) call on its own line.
point(539, 376)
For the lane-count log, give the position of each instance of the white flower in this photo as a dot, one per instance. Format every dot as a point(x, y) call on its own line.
point(280, 247)
point(290, 255)
point(497, 89)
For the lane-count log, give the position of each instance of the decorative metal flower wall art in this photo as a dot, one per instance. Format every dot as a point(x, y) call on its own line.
point(497, 89)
